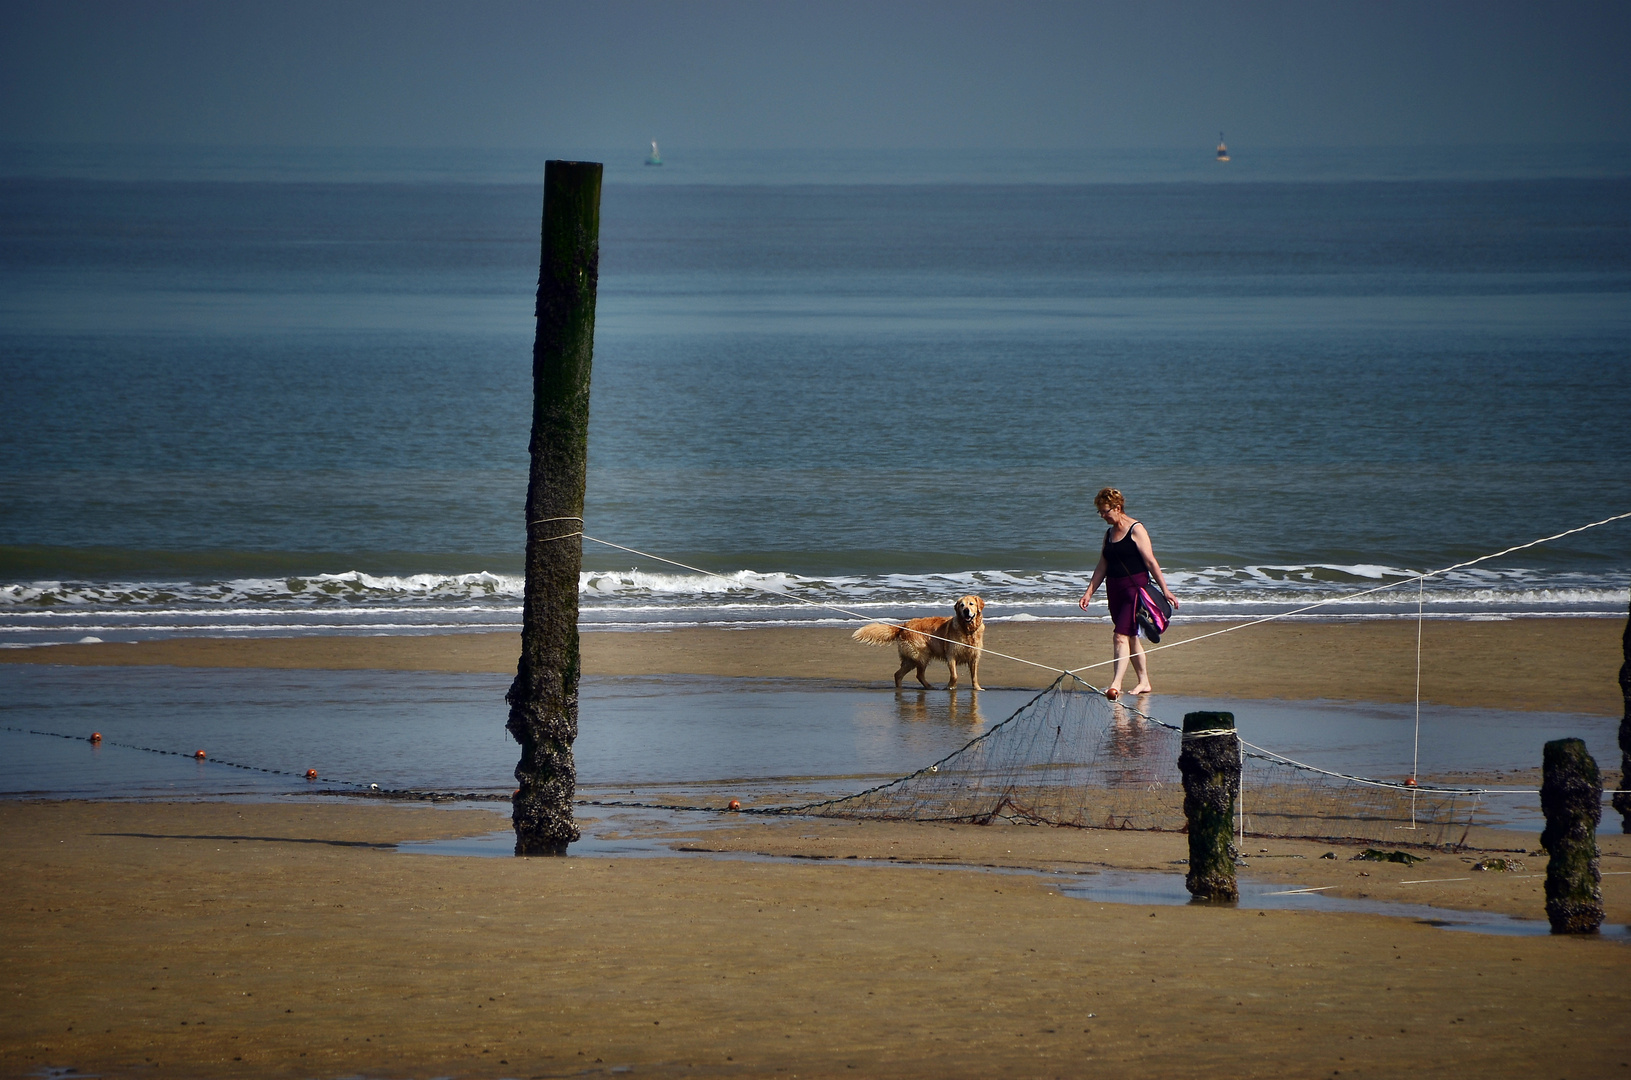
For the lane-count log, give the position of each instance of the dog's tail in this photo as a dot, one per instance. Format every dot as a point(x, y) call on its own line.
point(877, 633)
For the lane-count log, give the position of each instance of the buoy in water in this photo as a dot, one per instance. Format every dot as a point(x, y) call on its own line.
point(734, 805)
point(96, 736)
point(311, 774)
point(199, 754)
point(1410, 781)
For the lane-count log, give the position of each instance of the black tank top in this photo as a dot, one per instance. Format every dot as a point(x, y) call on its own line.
point(1122, 558)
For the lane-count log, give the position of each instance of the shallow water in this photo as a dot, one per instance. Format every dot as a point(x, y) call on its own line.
point(686, 737)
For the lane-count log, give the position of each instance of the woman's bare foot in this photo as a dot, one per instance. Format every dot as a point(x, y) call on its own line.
point(1141, 688)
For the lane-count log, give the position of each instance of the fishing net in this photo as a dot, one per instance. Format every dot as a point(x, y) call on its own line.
point(1070, 757)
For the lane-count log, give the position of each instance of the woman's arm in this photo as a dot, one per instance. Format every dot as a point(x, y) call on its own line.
point(1141, 539)
point(1093, 586)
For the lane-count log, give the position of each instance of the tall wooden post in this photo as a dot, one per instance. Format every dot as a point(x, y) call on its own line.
point(1210, 764)
point(1622, 798)
point(544, 697)
point(1571, 796)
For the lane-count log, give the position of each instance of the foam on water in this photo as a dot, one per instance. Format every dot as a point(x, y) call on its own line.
point(355, 602)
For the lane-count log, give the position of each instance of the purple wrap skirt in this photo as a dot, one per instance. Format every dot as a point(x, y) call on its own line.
point(1122, 592)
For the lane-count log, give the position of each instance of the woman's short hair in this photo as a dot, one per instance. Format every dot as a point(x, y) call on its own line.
point(1109, 499)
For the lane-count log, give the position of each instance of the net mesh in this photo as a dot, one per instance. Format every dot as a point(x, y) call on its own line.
point(1070, 757)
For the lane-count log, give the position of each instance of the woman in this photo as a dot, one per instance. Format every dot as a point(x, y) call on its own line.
point(1125, 563)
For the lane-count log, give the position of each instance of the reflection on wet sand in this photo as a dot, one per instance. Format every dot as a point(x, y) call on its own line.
point(922, 706)
point(1130, 739)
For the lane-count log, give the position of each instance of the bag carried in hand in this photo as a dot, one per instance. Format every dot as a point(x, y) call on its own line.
point(1154, 611)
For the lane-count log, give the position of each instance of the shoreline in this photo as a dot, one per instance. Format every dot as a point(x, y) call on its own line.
point(1552, 664)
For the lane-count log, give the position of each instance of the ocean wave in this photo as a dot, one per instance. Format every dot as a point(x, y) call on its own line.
point(348, 588)
point(637, 590)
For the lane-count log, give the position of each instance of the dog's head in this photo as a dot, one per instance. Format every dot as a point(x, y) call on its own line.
point(968, 610)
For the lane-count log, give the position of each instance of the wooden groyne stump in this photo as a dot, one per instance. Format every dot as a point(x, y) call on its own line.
point(1210, 764)
point(1571, 796)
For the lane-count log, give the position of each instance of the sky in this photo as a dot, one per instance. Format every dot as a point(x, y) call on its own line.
point(814, 74)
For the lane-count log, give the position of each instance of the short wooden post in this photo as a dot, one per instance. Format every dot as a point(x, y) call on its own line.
point(1210, 764)
point(544, 697)
point(1622, 798)
point(1571, 794)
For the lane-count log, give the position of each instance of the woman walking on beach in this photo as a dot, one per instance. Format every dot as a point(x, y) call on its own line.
point(1125, 563)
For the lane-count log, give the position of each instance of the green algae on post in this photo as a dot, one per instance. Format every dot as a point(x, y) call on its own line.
point(1210, 763)
point(1571, 794)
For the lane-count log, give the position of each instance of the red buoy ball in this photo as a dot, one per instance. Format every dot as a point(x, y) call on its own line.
point(96, 736)
point(311, 774)
point(735, 805)
point(1410, 781)
point(199, 754)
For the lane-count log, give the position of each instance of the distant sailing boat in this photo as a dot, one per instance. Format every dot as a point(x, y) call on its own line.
point(655, 158)
point(1223, 149)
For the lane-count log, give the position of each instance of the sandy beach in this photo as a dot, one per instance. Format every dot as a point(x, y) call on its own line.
point(291, 939)
point(1562, 665)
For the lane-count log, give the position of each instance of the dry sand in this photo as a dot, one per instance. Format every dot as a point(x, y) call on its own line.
point(1561, 665)
point(219, 939)
point(207, 940)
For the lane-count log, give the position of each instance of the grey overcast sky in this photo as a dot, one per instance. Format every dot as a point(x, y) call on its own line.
point(725, 74)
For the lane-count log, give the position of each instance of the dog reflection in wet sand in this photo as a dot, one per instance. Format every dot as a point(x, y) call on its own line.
point(912, 706)
point(954, 639)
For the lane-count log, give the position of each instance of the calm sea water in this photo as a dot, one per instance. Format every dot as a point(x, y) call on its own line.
point(282, 392)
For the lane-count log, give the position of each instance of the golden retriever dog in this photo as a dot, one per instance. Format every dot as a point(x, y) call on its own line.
point(956, 639)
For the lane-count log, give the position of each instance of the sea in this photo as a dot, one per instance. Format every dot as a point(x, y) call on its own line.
point(263, 391)
point(270, 391)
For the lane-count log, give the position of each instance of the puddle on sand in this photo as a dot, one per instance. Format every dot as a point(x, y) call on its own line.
point(1121, 887)
point(1104, 887)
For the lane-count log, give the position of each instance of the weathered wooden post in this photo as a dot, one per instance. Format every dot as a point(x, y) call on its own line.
point(1571, 795)
point(1622, 798)
point(1210, 764)
point(544, 697)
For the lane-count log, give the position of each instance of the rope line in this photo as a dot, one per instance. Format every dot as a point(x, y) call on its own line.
point(1074, 674)
point(832, 607)
point(1367, 592)
point(362, 787)
point(1420, 578)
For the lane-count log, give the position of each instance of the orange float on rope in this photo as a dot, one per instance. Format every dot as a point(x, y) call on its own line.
point(199, 754)
point(1410, 781)
point(96, 736)
point(734, 805)
point(311, 774)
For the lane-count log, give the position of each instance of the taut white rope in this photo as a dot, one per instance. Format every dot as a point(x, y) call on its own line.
point(827, 606)
point(1368, 592)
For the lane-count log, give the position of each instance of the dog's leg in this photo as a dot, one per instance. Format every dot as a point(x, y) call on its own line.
point(974, 670)
point(906, 664)
point(951, 665)
point(923, 674)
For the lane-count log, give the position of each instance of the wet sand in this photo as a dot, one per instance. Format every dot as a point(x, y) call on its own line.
point(1562, 665)
point(213, 939)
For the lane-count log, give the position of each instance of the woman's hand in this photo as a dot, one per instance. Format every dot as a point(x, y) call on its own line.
point(1173, 600)
point(1087, 598)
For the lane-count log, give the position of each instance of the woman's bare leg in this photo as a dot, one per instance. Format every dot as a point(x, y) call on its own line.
point(1140, 668)
point(1118, 651)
